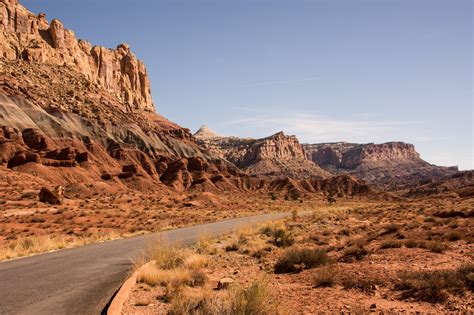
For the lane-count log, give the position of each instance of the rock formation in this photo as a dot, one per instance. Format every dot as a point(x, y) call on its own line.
point(390, 165)
point(82, 116)
point(205, 133)
point(29, 37)
point(277, 155)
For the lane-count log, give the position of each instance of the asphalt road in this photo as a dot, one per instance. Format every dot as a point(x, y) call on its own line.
point(82, 280)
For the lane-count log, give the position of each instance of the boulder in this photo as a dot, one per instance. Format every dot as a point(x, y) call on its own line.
point(34, 139)
point(52, 197)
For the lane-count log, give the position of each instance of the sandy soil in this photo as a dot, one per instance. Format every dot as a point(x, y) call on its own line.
point(370, 284)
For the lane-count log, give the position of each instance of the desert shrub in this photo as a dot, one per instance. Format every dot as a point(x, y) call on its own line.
point(153, 276)
point(294, 214)
point(232, 247)
point(434, 286)
point(198, 278)
point(166, 256)
point(454, 236)
point(354, 253)
point(255, 299)
point(325, 277)
point(390, 228)
point(331, 198)
point(391, 244)
point(297, 259)
point(466, 273)
point(345, 232)
point(435, 246)
point(366, 285)
point(411, 244)
point(280, 237)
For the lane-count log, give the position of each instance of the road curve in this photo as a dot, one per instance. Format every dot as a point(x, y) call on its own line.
point(82, 280)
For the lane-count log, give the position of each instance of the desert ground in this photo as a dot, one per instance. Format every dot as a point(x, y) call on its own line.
point(90, 214)
point(350, 258)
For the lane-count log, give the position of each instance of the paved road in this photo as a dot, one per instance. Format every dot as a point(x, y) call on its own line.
point(82, 280)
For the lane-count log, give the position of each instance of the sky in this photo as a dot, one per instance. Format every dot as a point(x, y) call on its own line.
point(326, 71)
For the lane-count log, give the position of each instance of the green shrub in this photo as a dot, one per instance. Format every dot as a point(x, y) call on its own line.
point(298, 259)
point(280, 237)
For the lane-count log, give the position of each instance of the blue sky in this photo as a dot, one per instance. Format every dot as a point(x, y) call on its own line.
point(361, 71)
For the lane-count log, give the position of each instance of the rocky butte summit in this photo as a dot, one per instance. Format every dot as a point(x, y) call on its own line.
point(276, 155)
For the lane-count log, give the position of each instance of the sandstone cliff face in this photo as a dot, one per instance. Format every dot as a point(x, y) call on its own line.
point(80, 116)
point(277, 155)
point(390, 165)
point(29, 37)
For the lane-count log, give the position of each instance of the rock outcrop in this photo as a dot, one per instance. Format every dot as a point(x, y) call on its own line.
point(460, 184)
point(277, 155)
point(82, 116)
point(29, 37)
point(390, 165)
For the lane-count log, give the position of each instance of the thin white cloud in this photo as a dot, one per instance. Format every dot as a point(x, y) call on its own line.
point(280, 82)
point(318, 128)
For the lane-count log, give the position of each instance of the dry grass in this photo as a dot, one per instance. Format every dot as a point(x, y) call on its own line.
point(152, 276)
point(27, 246)
point(255, 299)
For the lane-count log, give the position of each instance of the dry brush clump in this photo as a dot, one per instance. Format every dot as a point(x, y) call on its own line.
point(353, 253)
point(325, 276)
point(297, 259)
point(254, 299)
point(172, 267)
point(25, 246)
point(435, 286)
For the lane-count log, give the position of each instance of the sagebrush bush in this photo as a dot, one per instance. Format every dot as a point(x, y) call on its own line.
point(366, 285)
point(280, 236)
point(354, 253)
point(435, 286)
point(325, 277)
point(435, 246)
point(391, 244)
point(454, 236)
point(298, 259)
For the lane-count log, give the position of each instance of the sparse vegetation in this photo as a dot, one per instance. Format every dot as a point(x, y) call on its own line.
point(391, 244)
point(298, 259)
point(254, 299)
point(435, 286)
point(325, 277)
point(279, 235)
point(354, 253)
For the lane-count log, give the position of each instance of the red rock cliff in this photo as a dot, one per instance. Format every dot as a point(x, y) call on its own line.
point(26, 36)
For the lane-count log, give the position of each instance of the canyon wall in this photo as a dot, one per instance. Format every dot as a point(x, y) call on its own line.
point(29, 37)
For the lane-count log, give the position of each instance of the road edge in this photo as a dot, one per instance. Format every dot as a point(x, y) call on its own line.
point(118, 300)
point(122, 295)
